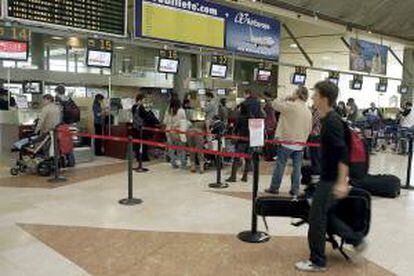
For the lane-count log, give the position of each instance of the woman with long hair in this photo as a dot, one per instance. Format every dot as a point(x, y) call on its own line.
point(175, 119)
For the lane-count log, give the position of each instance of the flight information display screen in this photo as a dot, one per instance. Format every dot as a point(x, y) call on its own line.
point(106, 16)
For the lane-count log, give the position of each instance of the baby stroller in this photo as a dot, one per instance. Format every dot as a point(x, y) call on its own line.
point(33, 155)
point(348, 219)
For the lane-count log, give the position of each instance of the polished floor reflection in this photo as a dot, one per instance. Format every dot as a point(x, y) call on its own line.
point(42, 231)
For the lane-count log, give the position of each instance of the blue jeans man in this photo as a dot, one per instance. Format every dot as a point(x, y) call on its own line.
point(284, 153)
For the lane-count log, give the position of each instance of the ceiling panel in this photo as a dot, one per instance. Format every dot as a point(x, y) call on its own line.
point(389, 17)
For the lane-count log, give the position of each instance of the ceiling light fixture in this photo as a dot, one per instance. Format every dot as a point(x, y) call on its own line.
point(293, 45)
point(57, 37)
point(120, 47)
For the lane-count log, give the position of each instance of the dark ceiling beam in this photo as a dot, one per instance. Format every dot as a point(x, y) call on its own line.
point(307, 57)
point(400, 62)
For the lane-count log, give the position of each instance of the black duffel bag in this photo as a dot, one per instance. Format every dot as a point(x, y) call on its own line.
point(383, 185)
point(278, 206)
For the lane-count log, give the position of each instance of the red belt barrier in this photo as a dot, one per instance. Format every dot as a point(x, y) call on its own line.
point(232, 137)
point(168, 146)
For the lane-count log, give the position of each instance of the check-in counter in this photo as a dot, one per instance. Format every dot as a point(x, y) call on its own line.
point(9, 133)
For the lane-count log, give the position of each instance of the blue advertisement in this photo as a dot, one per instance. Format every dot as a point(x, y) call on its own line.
point(204, 23)
point(368, 57)
point(252, 34)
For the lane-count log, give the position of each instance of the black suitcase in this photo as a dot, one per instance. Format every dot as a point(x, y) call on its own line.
point(278, 206)
point(383, 185)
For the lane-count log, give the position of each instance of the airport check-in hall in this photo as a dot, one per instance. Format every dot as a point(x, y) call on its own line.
point(195, 137)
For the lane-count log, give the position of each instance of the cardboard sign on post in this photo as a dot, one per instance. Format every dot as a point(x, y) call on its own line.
point(256, 130)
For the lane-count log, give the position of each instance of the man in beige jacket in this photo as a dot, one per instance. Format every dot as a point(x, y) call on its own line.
point(50, 116)
point(295, 125)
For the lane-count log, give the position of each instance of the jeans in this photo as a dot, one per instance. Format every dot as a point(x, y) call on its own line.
point(282, 157)
point(318, 221)
point(175, 154)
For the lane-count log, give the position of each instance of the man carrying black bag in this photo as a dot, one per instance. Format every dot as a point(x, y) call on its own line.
point(334, 174)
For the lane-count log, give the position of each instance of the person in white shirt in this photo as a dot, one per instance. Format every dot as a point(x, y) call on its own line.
point(295, 125)
point(175, 119)
point(407, 116)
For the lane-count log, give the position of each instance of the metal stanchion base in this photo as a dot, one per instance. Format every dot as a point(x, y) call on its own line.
point(253, 237)
point(409, 188)
point(58, 179)
point(218, 185)
point(130, 201)
point(141, 170)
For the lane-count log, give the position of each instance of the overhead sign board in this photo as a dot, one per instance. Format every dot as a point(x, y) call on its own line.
point(204, 23)
point(99, 16)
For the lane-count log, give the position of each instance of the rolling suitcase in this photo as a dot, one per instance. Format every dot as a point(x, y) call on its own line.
point(383, 185)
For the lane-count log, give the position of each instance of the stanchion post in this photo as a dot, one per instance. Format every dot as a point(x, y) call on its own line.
point(130, 200)
point(254, 236)
point(218, 184)
point(140, 168)
point(410, 162)
point(56, 171)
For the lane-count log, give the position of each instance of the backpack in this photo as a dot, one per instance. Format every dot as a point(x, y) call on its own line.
point(70, 112)
point(137, 120)
point(358, 154)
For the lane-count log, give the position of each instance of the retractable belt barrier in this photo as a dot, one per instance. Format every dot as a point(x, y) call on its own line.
point(165, 145)
point(232, 137)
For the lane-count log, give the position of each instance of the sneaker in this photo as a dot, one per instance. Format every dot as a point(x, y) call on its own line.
point(308, 266)
point(272, 191)
point(244, 178)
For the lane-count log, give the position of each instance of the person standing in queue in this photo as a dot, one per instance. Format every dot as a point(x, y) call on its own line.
point(270, 127)
point(4, 101)
point(295, 125)
point(241, 128)
point(211, 110)
point(340, 108)
point(352, 110)
point(139, 115)
point(70, 113)
point(334, 173)
point(253, 105)
point(98, 122)
point(176, 120)
point(49, 117)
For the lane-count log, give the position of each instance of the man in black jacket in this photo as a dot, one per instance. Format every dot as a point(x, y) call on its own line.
point(334, 173)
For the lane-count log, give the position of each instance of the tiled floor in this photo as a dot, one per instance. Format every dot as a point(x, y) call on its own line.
point(176, 201)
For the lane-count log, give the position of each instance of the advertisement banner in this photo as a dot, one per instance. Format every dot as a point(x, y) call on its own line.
point(368, 57)
point(204, 23)
point(252, 34)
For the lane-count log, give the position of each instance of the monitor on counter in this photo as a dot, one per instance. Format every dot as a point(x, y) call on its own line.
point(169, 66)
point(263, 75)
point(221, 92)
point(101, 59)
point(299, 79)
point(382, 87)
point(403, 89)
point(164, 91)
point(334, 81)
point(356, 85)
point(218, 71)
point(32, 87)
point(14, 50)
point(201, 91)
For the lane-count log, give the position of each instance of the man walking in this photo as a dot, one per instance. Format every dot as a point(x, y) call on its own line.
point(334, 173)
point(295, 124)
